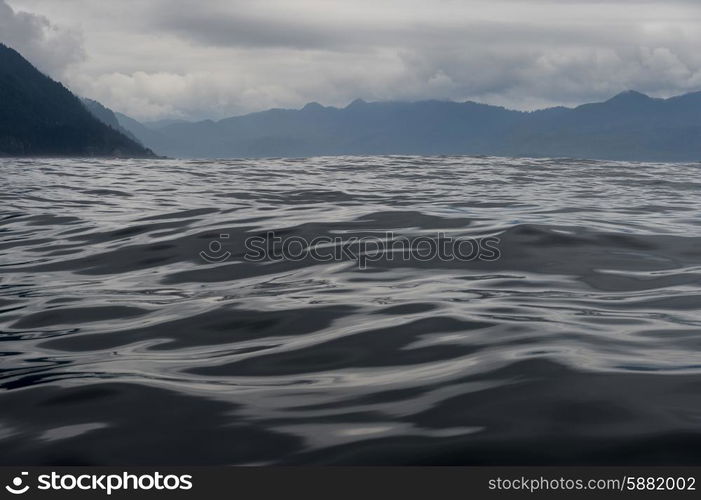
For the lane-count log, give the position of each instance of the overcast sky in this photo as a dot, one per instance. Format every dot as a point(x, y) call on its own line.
point(194, 59)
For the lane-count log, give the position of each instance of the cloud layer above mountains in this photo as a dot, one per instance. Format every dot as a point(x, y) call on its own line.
point(214, 58)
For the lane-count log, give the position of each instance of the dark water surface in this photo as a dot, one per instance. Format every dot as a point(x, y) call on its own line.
point(119, 344)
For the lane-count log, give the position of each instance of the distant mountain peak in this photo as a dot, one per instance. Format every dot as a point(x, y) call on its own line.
point(313, 106)
point(632, 96)
point(356, 104)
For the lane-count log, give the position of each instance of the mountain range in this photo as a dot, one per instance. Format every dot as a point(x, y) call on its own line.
point(40, 117)
point(630, 126)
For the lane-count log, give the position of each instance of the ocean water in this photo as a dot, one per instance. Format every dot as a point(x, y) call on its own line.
point(136, 329)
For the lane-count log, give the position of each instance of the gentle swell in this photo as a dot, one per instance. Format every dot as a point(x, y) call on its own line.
point(120, 344)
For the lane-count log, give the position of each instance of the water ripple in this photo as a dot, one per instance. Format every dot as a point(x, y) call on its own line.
point(120, 344)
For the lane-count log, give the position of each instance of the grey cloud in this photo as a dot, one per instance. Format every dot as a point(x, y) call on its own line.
point(546, 62)
point(249, 31)
point(213, 58)
point(49, 47)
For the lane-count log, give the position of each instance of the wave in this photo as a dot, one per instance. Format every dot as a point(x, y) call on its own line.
point(136, 329)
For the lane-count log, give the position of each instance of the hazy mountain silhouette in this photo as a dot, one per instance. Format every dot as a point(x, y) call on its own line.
point(630, 126)
point(106, 116)
point(40, 117)
point(144, 132)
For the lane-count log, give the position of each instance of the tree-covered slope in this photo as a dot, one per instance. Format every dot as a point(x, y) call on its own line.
point(40, 117)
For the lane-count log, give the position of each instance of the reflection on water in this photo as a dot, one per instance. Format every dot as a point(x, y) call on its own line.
point(120, 344)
